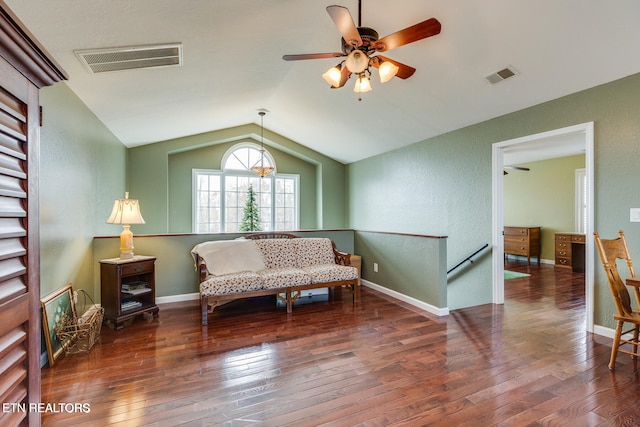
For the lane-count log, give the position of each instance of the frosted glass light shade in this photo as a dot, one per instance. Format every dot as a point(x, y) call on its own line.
point(357, 61)
point(363, 84)
point(387, 71)
point(333, 76)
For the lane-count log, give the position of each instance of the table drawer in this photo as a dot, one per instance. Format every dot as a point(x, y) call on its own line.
point(515, 248)
point(516, 231)
point(578, 238)
point(137, 268)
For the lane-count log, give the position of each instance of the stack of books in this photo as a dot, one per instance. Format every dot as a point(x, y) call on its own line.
point(135, 288)
point(130, 305)
point(133, 285)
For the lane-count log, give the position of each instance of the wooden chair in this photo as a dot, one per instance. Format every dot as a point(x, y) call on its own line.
point(610, 251)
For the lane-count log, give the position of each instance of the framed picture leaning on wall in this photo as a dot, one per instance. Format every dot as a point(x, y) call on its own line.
point(56, 307)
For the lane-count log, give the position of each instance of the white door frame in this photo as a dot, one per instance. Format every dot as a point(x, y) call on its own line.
point(585, 129)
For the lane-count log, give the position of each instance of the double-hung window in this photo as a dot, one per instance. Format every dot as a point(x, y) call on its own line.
point(220, 197)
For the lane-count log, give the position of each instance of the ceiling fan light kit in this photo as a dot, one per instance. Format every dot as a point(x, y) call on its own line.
point(333, 75)
point(387, 71)
point(363, 84)
point(357, 61)
point(360, 46)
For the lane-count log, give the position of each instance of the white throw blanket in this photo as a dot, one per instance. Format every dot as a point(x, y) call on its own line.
point(230, 256)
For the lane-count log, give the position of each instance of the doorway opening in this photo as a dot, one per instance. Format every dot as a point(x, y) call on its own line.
point(556, 143)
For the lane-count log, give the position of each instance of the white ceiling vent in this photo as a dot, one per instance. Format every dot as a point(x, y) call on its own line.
point(501, 75)
point(130, 58)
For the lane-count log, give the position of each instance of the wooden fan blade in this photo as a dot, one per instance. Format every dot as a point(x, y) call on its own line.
point(404, 71)
point(343, 20)
point(420, 31)
point(312, 56)
point(517, 168)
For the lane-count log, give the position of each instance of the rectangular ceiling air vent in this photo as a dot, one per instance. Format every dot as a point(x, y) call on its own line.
point(130, 58)
point(501, 75)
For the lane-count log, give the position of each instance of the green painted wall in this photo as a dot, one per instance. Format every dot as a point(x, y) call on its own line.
point(545, 197)
point(411, 265)
point(154, 184)
point(438, 187)
point(82, 170)
point(210, 157)
point(442, 185)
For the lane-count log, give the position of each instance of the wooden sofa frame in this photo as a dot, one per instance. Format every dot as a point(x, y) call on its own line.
point(209, 303)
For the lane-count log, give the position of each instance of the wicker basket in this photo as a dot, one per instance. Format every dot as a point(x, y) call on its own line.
point(80, 334)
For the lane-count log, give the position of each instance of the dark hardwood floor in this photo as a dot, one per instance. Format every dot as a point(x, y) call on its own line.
point(378, 363)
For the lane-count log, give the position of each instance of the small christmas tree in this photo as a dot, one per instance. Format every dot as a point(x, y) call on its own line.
point(251, 217)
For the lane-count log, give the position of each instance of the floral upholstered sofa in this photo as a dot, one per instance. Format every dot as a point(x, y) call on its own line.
point(269, 264)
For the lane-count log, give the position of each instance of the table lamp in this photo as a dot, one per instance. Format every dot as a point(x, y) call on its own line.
point(126, 212)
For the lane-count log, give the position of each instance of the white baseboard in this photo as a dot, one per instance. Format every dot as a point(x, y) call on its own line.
point(405, 298)
point(604, 331)
point(178, 298)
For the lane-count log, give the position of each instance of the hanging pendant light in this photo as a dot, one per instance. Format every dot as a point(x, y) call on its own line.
point(260, 169)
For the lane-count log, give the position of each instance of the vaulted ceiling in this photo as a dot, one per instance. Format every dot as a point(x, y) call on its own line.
point(232, 64)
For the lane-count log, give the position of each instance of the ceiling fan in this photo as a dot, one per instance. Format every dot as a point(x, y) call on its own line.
point(516, 168)
point(361, 47)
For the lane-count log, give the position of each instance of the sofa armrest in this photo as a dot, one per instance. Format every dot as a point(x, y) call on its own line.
point(202, 268)
point(342, 258)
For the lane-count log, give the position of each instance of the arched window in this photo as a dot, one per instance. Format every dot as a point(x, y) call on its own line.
point(220, 196)
point(245, 156)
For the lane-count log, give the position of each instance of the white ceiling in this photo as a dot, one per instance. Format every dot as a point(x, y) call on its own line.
point(233, 64)
point(567, 144)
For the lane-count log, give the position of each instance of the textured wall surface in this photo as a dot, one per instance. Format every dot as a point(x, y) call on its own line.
point(411, 265)
point(442, 185)
point(82, 171)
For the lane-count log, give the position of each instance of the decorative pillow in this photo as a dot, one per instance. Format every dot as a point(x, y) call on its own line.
point(230, 256)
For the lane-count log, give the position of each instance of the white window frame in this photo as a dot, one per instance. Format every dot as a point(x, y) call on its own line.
point(249, 173)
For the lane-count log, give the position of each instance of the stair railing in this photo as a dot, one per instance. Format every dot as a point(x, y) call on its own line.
point(469, 258)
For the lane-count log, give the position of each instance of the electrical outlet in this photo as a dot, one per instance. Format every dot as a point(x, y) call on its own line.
point(634, 215)
point(375, 267)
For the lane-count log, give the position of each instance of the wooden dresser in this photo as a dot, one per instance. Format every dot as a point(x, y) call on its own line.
point(570, 251)
point(522, 241)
